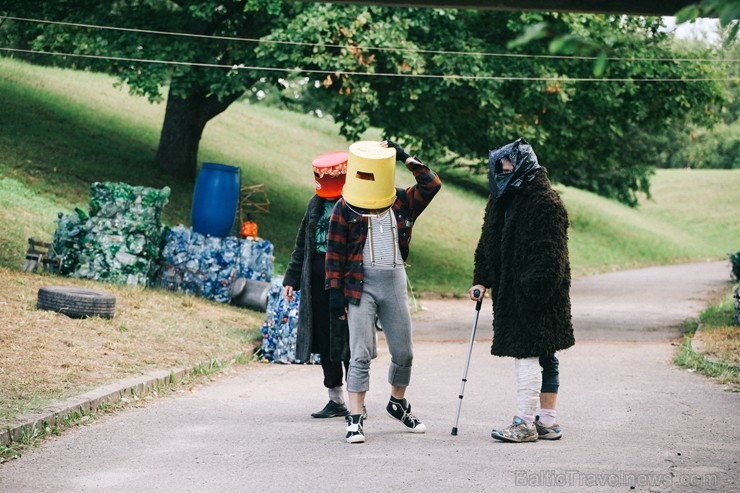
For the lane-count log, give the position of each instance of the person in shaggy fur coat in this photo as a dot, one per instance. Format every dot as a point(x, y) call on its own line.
point(522, 257)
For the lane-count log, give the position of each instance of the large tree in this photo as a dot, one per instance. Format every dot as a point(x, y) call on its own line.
point(194, 68)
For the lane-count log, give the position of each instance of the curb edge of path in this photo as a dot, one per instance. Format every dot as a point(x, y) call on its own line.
point(89, 402)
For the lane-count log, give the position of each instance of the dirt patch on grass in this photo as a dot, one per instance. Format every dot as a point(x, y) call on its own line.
point(47, 356)
point(722, 343)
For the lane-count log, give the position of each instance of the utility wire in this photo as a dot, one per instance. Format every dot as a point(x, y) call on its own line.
point(376, 48)
point(367, 74)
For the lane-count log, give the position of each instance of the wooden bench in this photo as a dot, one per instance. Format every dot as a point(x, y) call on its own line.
point(38, 254)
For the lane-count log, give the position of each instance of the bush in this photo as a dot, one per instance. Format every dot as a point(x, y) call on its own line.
point(735, 261)
point(718, 148)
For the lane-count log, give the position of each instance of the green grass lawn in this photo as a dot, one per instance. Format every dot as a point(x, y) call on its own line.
point(712, 344)
point(62, 130)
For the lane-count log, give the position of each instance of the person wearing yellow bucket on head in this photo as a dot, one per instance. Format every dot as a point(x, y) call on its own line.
point(368, 244)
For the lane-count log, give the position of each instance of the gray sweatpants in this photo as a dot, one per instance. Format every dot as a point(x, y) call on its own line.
point(384, 294)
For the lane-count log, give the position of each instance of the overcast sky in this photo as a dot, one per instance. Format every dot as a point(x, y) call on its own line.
point(699, 29)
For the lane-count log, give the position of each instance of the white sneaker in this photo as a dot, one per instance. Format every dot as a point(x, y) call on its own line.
point(354, 429)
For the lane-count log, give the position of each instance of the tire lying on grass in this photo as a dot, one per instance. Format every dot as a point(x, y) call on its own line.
point(77, 302)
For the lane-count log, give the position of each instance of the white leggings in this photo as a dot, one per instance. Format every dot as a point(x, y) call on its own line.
point(528, 384)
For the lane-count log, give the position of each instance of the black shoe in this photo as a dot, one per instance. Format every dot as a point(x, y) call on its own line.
point(402, 412)
point(332, 410)
point(355, 433)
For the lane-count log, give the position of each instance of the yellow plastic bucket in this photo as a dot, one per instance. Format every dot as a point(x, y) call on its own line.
point(371, 174)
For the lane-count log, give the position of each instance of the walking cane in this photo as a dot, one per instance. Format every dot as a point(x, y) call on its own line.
point(467, 363)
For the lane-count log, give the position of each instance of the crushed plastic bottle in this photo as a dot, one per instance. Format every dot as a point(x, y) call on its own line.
point(279, 330)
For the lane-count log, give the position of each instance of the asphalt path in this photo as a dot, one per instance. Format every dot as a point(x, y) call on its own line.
point(632, 421)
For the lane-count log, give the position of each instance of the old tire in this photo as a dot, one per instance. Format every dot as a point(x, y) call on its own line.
point(77, 302)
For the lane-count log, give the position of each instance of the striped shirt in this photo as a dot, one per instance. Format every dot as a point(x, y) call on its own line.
point(381, 247)
point(348, 231)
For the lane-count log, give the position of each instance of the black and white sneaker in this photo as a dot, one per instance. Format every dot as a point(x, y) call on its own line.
point(354, 429)
point(401, 410)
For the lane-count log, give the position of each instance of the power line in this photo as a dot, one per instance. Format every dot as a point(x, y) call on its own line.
point(368, 74)
point(376, 48)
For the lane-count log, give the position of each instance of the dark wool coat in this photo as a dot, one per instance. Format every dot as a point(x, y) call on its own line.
point(298, 275)
point(524, 262)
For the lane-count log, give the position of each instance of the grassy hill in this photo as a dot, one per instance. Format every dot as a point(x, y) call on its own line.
point(62, 130)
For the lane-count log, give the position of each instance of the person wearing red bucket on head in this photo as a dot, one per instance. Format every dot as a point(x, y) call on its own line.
point(317, 332)
point(368, 243)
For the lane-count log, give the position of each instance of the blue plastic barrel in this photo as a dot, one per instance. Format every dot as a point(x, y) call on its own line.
point(215, 199)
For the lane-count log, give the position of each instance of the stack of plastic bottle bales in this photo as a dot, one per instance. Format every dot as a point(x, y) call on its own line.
point(120, 241)
point(279, 328)
point(206, 266)
point(68, 240)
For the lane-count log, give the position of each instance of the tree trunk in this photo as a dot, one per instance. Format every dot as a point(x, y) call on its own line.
point(184, 121)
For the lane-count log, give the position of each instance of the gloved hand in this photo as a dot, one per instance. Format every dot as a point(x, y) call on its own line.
point(337, 303)
point(400, 153)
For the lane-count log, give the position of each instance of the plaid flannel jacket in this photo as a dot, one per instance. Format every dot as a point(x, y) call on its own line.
point(348, 231)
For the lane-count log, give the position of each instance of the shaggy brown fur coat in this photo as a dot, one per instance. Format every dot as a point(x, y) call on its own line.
point(524, 262)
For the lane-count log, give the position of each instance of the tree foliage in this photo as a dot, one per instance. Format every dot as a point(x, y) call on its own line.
point(449, 84)
point(194, 69)
point(594, 135)
point(716, 147)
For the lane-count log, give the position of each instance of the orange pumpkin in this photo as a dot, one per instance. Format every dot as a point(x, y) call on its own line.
point(249, 229)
